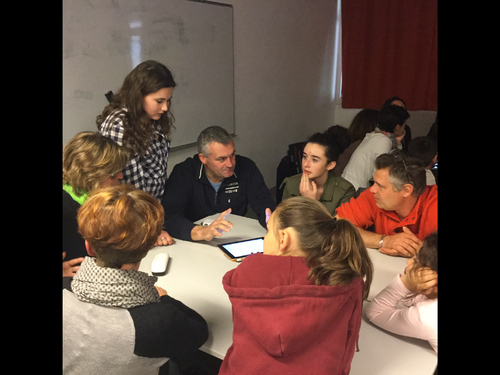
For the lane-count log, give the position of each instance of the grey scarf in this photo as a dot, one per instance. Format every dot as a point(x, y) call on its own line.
point(113, 287)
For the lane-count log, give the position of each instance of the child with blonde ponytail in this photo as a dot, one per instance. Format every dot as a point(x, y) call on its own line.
point(297, 307)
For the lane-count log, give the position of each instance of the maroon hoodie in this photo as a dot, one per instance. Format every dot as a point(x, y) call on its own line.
point(284, 324)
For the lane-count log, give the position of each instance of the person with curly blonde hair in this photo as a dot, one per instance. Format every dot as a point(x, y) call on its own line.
point(90, 161)
point(120, 225)
point(115, 319)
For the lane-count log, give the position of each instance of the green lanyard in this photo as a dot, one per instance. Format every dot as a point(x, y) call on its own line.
point(80, 199)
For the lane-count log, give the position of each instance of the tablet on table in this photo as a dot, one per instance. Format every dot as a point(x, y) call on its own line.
point(237, 251)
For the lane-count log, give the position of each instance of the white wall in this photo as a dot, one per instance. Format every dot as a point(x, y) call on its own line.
point(283, 68)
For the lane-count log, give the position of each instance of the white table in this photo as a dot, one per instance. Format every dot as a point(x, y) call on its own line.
point(194, 276)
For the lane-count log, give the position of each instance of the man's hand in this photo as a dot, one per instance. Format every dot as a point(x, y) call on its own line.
point(164, 239)
point(404, 244)
point(71, 266)
point(308, 188)
point(215, 229)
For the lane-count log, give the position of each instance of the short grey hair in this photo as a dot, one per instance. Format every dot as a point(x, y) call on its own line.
point(403, 169)
point(212, 134)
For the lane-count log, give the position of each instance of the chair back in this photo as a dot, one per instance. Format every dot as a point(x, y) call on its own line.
point(290, 165)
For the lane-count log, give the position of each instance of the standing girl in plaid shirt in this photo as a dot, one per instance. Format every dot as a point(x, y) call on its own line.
point(139, 119)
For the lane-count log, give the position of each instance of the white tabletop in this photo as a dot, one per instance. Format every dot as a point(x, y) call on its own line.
point(194, 276)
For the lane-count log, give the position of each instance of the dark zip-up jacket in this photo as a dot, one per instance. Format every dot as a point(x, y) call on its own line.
point(189, 196)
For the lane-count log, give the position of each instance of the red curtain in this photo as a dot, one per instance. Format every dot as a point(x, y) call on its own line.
point(389, 48)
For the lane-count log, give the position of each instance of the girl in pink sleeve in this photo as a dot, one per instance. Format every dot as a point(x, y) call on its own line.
point(416, 291)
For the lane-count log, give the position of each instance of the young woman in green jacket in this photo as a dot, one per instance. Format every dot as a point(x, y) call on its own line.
point(318, 181)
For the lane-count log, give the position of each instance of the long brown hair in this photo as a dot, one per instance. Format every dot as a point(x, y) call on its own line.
point(146, 78)
point(334, 249)
point(364, 122)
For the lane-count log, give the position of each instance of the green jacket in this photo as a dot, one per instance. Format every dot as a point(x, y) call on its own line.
point(337, 190)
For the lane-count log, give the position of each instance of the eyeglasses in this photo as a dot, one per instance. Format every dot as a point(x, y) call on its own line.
point(407, 173)
point(406, 169)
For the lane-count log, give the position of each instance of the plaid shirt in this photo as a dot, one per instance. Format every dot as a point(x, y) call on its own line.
point(148, 172)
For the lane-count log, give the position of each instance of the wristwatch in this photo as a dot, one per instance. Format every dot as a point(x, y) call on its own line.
point(381, 241)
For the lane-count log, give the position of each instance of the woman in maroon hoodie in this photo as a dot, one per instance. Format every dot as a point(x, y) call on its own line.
point(297, 307)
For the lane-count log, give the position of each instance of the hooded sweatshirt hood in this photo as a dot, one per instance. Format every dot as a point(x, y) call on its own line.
point(282, 314)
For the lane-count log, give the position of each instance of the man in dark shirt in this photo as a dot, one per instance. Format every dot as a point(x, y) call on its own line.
point(215, 180)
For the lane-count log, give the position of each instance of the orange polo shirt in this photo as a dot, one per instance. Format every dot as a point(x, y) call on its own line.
point(363, 212)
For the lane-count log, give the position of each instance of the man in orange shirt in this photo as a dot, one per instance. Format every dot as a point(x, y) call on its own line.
point(399, 205)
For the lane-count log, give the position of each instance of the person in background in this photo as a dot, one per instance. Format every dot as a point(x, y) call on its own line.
point(115, 320)
point(386, 137)
point(216, 180)
point(139, 118)
point(425, 149)
point(90, 161)
point(399, 210)
point(396, 100)
point(297, 307)
point(416, 289)
point(341, 136)
point(318, 181)
point(364, 122)
point(433, 131)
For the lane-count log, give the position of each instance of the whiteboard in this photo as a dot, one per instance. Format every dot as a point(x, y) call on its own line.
point(103, 40)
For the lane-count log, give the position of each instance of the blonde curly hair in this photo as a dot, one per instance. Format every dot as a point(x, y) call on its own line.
point(121, 224)
point(89, 158)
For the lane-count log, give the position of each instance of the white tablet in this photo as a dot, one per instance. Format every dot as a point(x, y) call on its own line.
point(238, 250)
